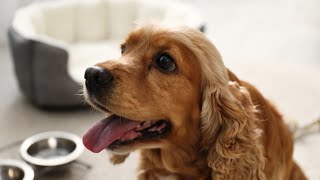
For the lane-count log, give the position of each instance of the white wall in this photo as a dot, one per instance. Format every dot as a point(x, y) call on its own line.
point(7, 8)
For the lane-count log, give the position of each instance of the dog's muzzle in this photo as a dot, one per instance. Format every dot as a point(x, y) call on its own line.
point(98, 79)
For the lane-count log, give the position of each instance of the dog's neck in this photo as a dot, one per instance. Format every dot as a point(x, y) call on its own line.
point(182, 155)
point(183, 161)
point(185, 157)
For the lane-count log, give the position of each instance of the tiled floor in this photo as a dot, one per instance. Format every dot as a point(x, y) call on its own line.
point(273, 44)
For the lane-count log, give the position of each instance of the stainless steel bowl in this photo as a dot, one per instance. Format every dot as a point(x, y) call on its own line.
point(51, 149)
point(15, 170)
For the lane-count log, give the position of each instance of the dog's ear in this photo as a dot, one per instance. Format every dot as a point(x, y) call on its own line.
point(118, 159)
point(230, 133)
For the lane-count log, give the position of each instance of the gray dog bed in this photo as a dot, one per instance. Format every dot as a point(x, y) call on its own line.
point(52, 43)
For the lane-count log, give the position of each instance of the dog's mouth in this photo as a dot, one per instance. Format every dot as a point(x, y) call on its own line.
point(115, 131)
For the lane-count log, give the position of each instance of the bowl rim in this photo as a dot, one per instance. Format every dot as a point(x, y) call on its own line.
point(56, 161)
point(26, 168)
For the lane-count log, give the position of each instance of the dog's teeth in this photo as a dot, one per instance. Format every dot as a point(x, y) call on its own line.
point(157, 128)
point(129, 136)
point(146, 124)
point(139, 127)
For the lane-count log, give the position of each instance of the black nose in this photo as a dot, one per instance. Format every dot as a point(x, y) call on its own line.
point(97, 78)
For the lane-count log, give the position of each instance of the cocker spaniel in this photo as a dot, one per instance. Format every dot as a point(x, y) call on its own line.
point(170, 96)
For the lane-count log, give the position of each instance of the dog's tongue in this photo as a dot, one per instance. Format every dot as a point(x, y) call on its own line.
point(106, 131)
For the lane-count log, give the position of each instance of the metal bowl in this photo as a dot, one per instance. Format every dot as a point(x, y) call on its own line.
point(51, 149)
point(15, 170)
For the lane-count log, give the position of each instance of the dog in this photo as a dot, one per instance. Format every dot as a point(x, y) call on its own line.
point(170, 96)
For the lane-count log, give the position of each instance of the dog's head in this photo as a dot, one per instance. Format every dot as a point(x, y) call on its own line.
point(154, 91)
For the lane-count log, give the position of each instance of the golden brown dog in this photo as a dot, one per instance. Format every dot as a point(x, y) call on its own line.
point(171, 96)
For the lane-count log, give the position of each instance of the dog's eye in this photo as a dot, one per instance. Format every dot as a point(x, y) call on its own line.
point(165, 63)
point(123, 48)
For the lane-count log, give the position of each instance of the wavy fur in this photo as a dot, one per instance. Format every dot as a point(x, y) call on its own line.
point(228, 120)
point(222, 127)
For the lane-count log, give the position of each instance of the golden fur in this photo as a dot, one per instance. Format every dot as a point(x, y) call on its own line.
point(222, 127)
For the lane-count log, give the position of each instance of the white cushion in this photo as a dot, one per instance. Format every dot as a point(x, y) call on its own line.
point(155, 10)
point(85, 54)
point(122, 15)
point(91, 30)
point(59, 20)
point(92, 21)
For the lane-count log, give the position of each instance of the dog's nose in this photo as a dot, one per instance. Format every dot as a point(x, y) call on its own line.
point(97, 77)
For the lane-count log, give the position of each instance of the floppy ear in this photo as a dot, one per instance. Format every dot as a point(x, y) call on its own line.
point(230, 134)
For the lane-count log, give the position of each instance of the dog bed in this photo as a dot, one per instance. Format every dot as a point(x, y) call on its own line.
point(52, 43)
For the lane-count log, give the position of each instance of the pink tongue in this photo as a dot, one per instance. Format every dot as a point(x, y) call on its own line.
point(106, 131)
